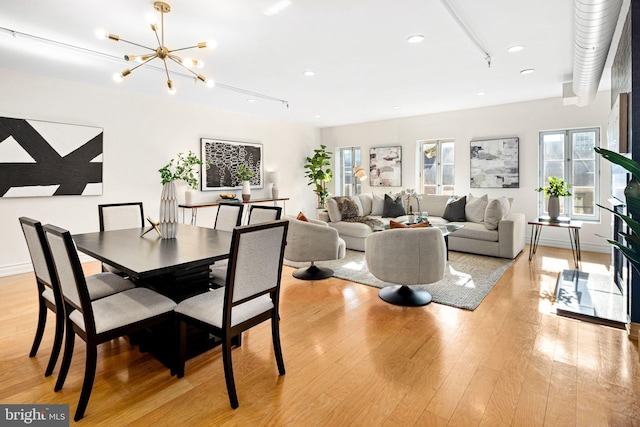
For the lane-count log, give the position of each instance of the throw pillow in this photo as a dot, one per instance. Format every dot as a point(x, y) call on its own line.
point(302, 217)
point(393, 224)
point(493, 213)
point(393, 208)
point(377, 204)
point(347, 207)
point(475, 207)
point(333, 210)
point(454, 211)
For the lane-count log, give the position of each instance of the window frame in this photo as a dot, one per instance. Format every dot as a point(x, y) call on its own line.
point(439, 165)
point(567, 203)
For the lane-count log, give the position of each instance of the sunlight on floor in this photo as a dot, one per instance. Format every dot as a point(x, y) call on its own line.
point(461, 279)
point(354, 266)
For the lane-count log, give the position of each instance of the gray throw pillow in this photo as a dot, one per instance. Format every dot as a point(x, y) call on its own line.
point(493, 213)
point(454, 211)
point(475, 207)
point(393, 208)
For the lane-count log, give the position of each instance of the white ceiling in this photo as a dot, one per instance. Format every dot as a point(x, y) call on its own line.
point(364, 66)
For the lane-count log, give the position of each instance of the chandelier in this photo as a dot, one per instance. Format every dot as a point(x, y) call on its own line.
point(161, 52)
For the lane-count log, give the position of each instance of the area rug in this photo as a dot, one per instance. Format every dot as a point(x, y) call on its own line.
point(468, 278)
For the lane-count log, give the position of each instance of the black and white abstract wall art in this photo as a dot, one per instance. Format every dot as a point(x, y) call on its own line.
point(494, 163)
point(221, 161)
point(385, 166)
point(39, 158)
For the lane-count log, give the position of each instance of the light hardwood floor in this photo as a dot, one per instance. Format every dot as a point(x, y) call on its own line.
point(353, 359)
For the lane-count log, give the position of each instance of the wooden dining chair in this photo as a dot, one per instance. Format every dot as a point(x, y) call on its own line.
point(119, 216)
point(49, 292)
point(97, 321)
point(251, 296)
point(257, 214)
point(229, 216)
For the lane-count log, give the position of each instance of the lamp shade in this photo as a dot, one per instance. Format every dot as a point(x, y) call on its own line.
point(360, 173)
point(273, 177)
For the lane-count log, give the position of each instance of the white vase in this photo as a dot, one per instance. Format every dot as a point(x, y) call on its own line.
point(188, 196)
point(246, 191)
point(554, 208)
point(168, 221)
point(275, 191)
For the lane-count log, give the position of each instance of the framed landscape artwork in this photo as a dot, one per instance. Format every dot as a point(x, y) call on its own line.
point(385, 166)
point(39, 158)
point(221, 161)
point(494, 163)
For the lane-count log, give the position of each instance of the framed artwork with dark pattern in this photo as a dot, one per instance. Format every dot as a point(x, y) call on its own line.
point(221, 160)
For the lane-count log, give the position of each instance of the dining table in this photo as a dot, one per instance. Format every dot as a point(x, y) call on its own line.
point(177, 268)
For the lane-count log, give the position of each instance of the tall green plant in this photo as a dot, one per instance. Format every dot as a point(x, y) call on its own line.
point(632, 195)
point(319, 174)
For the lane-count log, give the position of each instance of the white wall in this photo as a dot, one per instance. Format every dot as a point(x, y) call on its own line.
point(523, 120)
point(141, 134)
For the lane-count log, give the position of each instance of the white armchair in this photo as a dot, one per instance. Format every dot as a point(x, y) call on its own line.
point(313, 241)
point(411, 256)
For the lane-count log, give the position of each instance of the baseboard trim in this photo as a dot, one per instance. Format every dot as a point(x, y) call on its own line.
point(12, 270)
point(553, 243)
point(633, 329)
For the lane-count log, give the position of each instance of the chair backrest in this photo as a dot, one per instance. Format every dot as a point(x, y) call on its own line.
point(407, 256)
point(118, 216)
point(255, 263)
point(69, 272)
point(39, 251)
point(258, 214)
point(229, 216)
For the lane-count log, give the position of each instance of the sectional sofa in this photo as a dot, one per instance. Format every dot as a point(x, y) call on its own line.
point(489, 226)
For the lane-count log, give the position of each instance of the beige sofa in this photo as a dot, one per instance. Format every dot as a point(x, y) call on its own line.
point(506, 241)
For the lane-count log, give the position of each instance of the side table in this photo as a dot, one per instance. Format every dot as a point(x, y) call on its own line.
point(574, 236)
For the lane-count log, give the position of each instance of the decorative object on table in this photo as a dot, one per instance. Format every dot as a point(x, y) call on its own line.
point(319, 174)
point(153, 226)
point(244, 175)
point(494, 163)
point(409, 194)
point(557, 188)
point(49, 159)
point(273, 177)
point(385, 166)
point(631, 250)
point(183, 169)
point(223, 158)
point(162, 52)
point(229, 197)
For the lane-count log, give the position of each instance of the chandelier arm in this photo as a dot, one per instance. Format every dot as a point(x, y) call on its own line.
point(184, 48)
point(145, 62)
point(136, 44)
point(180, 64)
point(166, 70)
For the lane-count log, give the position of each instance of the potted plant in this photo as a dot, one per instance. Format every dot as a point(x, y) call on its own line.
point(557, 188)
point(182, 169)
point(631, 250)
point(319, 174)
point(244, 175)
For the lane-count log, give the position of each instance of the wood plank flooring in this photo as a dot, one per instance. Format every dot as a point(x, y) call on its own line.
point(354, 360)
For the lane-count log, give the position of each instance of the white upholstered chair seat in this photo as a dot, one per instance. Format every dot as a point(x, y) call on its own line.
point(104, 284)
point(209, 307)
point(125, 308)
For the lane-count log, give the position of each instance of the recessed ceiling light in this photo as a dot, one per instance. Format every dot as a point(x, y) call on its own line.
point(317, 116)
point(417, 38)
point(481, 93)
point(251, 100)
point(309, 73)
point(527, 71)
point(516, 48)
point(396, 107)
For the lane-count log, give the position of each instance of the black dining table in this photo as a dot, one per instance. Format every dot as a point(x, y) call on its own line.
point(177, 268)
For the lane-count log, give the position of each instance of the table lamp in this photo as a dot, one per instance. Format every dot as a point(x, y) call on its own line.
point(273, 178)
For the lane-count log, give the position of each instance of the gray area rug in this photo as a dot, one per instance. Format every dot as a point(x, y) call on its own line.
point(468, 278)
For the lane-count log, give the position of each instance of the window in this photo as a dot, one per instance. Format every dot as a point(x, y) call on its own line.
point(347, 159)
point(437, 174)
point(569, 154)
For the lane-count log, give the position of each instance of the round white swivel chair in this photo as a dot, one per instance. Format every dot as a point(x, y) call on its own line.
point(406, 256)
